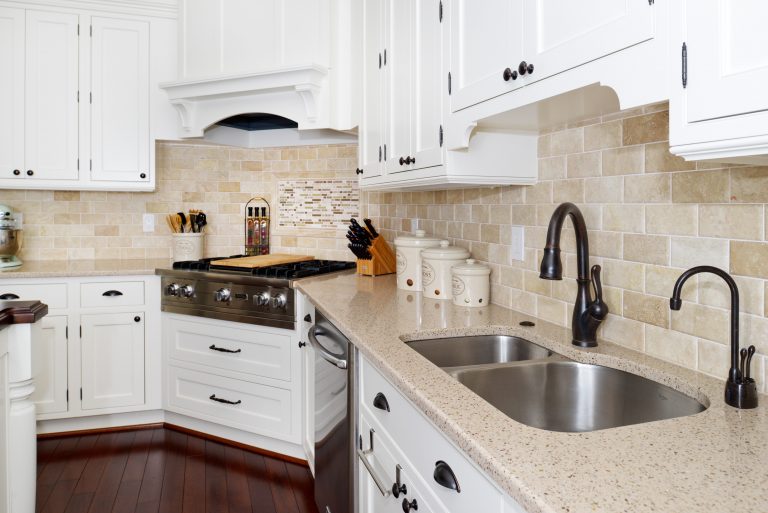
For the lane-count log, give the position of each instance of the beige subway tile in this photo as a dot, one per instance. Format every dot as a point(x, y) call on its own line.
point(523, 215)
point(607, 189)
point(66, 196)
point(567, 141)
point(471, 231)
point(536, 285)
point(645, 129)
point(647, 309)
point(612, 296)
point(513, 194)
point(713, 358)
point(499, 214)
point(753, 330)
point(660, 281)
point(700, 187)
point(480, 214)
point(658, 158)
point(552, 310)
point(605, 244)
point(603, 135)
point(671, 219)
point(647, 189)
point(110, 230)
point(568, 190)
point(539, 193)
point(623, 218)
point(690, 252)
point(731, 221)
point(749, 184)
point(625, 332)
point(544, 146)
point(625, 275)
point(671, 346)
point(702, 321)
point(749, 259)
point(552, 168)
point(564, 290)
point(580, 165)
point(489, 233)
point(622, 161)
point(651, 249)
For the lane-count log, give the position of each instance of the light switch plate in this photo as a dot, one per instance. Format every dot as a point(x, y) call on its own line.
point(148, 223)
point(517, 243)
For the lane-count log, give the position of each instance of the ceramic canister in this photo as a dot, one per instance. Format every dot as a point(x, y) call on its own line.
point(471, 284)
point(436, 266)
point(408, 251)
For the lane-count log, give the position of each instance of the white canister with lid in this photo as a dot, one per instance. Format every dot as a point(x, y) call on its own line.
point(408, 251)
point(436, 264)
point(471, 284)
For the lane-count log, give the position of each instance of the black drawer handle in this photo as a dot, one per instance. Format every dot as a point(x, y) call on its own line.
point(444, 476)
point(112, 293)
point(380, 402)
point(213, 347)
point(8, 296)
point(225, 401)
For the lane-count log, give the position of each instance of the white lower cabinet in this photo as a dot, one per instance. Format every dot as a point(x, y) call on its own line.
point(423, 452)
point(112, 360)
point(49, 366)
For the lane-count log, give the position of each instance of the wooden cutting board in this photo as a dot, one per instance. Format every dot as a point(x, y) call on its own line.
point(262, 260)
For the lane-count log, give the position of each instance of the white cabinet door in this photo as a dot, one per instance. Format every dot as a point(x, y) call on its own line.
point(120, 102)
point(51, 131)
point(486, 38)
point(562, 35)
point(727, 59)
point(398, 59)
point(372, 123)
point(49, 366)
point(428, 85)
point(112, 359)
point(5, 406)
point(11, 92)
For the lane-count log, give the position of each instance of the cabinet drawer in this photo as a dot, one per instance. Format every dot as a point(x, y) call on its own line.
point(258, 408)
point(52, 294)
point(260, 352)
point(118, 293)
point(424, 445)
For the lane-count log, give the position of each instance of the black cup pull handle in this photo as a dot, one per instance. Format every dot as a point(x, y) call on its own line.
point(444, 476)
point(213, 347)
point(112, 293)
point(380, 402)
point(6, 297)
point(225, 401)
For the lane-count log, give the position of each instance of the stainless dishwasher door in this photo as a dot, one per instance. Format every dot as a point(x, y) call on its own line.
point(334, 400)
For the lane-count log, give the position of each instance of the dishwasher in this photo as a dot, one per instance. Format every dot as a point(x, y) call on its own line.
point(335, 414)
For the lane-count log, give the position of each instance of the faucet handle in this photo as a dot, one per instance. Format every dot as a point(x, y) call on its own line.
point(598, 309)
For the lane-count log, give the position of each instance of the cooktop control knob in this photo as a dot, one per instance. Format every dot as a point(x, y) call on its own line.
point(172, 289)
point(262, 299)
point(187, 291)
point(279, 301)
point(222, 295)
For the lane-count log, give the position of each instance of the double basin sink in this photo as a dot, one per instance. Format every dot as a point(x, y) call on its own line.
point(543, 389)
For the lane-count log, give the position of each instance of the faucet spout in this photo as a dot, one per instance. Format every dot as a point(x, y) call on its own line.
point(587, 313)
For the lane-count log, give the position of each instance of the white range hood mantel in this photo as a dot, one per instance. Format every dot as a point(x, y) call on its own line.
point(295, 93)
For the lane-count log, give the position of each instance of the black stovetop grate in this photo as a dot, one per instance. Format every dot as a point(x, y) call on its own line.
point(283, 271)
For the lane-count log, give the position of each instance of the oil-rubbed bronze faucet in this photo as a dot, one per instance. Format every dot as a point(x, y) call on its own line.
point(587, 314)
point(740, 389)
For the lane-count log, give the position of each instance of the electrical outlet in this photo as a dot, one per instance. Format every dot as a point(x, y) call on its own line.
point(148, 222)
point(517, 243)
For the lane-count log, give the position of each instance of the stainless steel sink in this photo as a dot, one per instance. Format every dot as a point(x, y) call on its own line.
point(478, 350)
point(563, 395)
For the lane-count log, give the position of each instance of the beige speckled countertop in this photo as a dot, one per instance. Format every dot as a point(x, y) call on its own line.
point(71, 268)
point(711, 462)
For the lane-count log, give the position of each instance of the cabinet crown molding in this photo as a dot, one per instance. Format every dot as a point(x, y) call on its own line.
point(158, 8)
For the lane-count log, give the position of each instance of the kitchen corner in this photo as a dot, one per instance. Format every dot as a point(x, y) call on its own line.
point(680, 464)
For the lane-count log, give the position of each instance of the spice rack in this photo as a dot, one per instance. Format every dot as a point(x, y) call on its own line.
point(257, 215)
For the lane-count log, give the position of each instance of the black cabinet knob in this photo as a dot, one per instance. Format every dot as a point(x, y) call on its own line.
point(137, 319)
point(444, 476)
point(358, 171)
point(509, 74)
point(380, 402)
point(397, 490)
point(525, 67)
point(408, 506)
point(302, 344)
point(402, 161)
point(143, 175)
point(16, 172)
point(30, 172)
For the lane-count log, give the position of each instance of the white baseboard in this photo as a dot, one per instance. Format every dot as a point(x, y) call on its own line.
point(100, 422)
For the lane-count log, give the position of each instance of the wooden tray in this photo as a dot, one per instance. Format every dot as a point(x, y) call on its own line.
point(252, 262)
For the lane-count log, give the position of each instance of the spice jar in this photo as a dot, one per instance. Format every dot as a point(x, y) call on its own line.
point(471, 284)
point(436, 264)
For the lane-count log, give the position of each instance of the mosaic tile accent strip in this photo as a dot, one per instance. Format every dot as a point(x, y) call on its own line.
point(318, 203)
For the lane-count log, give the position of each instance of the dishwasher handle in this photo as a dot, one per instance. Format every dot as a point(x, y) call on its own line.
point(327, 355)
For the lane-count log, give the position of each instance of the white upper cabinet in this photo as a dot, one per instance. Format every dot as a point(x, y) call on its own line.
point(120, 100)
point(562, 35)
point(398, 63)
point(486, 38)
point(371, 136)
point(51, 135)
point(11, 91)
point(719, 105)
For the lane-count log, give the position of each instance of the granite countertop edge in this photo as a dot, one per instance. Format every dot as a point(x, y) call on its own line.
point(84, 268)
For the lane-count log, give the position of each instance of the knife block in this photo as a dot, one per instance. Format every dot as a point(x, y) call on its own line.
point(382, 259)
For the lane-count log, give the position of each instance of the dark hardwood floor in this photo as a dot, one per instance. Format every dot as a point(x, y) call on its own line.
point(164, 471)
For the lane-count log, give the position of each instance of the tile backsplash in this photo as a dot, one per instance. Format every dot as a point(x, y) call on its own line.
point(61, 225)
point(650, 216)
